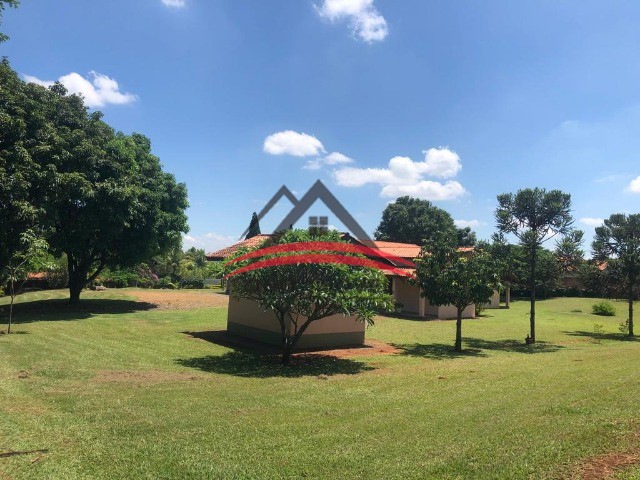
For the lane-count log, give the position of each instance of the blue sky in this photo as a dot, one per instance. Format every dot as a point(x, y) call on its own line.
point(455, 102)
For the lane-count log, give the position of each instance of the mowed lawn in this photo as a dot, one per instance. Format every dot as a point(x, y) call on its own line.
point(116, 389)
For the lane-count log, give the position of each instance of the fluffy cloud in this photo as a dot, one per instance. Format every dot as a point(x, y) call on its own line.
point(293, 143)
point(175, 3)
point(467, 223)
point(364, 19)
point(210, 242)
point(591, 222)
point(634, 186)
point(335, 158)
point(101, 90)
point(405, 177)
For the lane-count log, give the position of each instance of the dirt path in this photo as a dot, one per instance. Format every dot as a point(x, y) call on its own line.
point(182, 299)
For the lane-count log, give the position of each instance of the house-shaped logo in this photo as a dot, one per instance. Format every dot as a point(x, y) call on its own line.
point(317, 192)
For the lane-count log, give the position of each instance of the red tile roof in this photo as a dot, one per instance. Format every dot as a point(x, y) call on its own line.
point(403, 250)
point(249, 243)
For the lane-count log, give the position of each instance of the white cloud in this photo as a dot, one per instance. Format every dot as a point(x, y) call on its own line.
point(468, 223)
point(210, 242)
point(405, 177)
point(364, 19)
point(101, 90)
point(293, 143)
point(634, 186)
point(427, 190)
point(175, 3)
point(591, 222)
point(335, 158)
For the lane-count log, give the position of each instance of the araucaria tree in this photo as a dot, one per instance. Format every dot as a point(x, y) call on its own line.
point(254, 226)
point(617, 243)
point(301, 294)
point(448, 276)
point(534, 216)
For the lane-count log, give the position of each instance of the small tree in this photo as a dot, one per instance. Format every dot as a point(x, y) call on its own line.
point(28, 259)
point(301, 294)
point(449, 277)
point(617, 243)
point(534, 216)
point(509, 262)
point(254, 226)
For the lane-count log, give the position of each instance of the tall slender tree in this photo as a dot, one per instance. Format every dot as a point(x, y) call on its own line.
point(254, 226)
point(534, 216)
point(617, 243)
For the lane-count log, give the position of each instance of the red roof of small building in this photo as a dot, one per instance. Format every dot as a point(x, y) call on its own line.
point(403, 250)
point(249, 243)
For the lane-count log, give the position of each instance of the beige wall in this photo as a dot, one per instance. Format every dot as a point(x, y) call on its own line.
point(245, 318)
point(495, 300)
point(409, 296)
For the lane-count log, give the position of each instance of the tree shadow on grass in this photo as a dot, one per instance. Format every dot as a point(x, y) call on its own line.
point(57, 309)
point(620, 337)
point(437, 351)
point(512, 346)
point(242, 363)
point(474, 347)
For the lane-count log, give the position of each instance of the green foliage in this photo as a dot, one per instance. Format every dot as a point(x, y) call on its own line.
point(101, 196)
point(616, 248)
point(254, 226)
point(534, 216)
point(568, 251)
point(301, 294)
point(449, 277)
point(603, 308)
point(624, 327)
point(411, 220)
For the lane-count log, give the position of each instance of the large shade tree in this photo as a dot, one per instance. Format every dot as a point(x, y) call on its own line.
point(534, 216)
point(301, 294)
point(449, 276)
point(98, 196)
point(412, 220)
point(616, 249)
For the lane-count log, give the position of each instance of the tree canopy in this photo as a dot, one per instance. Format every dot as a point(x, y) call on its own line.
point(616, 246)
point(411, 220)
point(99, 196)
point(448, 276)
point(534, 216)
point(301, 294)
point(254, 226)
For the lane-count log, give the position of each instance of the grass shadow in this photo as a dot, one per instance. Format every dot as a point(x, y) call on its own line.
point(242, 363)
point(620, 337)
point(437, 351)
point(57, 309)
point(512, 346)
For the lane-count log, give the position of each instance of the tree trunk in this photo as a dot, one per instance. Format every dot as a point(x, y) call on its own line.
point(630, 333)
point(76, 283)
point(458, 345)
point(507, 296)
point(532, 311)
point(290, 341)
point(13, 296)
point(286, 355)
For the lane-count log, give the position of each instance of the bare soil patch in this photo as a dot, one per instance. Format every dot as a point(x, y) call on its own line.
point(147, 377)
point(182, 299)
point(605, 466)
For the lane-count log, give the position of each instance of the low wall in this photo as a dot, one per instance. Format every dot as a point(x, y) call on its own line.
point(246, 319)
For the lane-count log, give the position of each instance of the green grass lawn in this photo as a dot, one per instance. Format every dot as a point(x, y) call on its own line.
point(114, 389)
